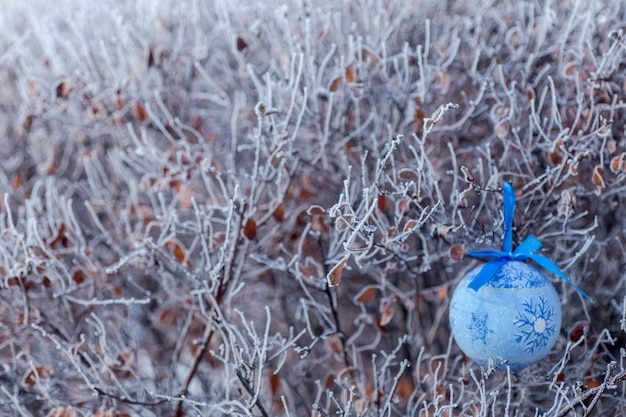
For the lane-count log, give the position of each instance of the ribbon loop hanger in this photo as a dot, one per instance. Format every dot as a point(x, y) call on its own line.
point(525, 250)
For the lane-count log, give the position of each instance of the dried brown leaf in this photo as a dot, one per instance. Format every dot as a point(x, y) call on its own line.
point(579, 330)
point(334, 343)
point(410, 225)
point(387, 311)
point(79, 276)
point(350, 74)
point(370, 56)
point(334, 275)
point(408, 174)
point(366, 295)
point(597, 178)
point(279, 213)
point(140, 112)
point(617, 162)
point(382, 202)
point(250, 229)
point(241, 44)
point(611, 146)
point(34, 374)
point(457, 252)
point(178, 250)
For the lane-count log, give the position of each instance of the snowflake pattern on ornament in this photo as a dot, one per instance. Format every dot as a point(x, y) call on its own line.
point(514, 275)
point(536, 324)
point(478, 328)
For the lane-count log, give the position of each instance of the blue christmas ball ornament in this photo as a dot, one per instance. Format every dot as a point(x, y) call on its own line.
point(514, 319)
point(506, 312)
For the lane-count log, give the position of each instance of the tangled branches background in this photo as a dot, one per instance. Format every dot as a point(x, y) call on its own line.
point(237, 208)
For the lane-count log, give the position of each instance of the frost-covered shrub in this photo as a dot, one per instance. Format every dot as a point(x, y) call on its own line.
point(237, 208)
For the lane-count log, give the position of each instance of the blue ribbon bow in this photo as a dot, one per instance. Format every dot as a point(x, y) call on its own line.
point(526, 250)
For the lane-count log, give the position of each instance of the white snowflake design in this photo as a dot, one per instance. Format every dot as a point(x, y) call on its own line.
point(536, 324)
point(478, 328)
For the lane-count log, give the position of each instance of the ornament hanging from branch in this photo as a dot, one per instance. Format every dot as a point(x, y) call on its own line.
point(506, 311)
